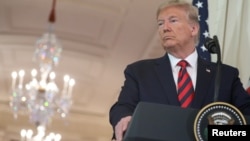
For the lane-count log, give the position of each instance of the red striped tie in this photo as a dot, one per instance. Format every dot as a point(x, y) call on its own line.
point(185, 86)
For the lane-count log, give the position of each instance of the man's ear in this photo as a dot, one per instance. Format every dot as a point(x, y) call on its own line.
point(194, 29)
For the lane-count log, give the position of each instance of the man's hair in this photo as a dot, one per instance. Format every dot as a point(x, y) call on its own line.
point(192, 12)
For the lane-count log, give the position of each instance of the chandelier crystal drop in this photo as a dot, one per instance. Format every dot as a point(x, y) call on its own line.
point(48, 51)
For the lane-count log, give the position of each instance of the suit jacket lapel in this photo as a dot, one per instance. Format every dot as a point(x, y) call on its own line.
point(205, 73)
point(165, 75)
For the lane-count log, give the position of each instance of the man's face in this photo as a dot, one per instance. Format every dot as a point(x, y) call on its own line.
point(175, 29)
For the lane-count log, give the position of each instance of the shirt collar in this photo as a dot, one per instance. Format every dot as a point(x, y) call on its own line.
point(191, 59)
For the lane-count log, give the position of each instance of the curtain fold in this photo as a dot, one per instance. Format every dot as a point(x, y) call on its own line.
point(236, 50)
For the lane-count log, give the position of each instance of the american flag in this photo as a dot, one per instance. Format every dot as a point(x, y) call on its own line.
point(202, 6)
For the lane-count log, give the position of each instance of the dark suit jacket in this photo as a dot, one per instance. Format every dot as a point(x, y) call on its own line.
point(152, 81)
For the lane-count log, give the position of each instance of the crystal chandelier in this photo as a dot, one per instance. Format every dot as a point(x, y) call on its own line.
point(40, 97)
point(28, 135)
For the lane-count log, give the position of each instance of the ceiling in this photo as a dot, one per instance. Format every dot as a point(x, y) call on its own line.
point(99, 38)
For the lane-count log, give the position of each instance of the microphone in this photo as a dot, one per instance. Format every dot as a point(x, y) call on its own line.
point(213, 46)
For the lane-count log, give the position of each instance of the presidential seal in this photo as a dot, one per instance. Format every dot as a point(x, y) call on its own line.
point(216, 113)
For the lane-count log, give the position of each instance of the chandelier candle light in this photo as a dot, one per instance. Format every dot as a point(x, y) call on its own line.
point(28, 135)
point(41, 97)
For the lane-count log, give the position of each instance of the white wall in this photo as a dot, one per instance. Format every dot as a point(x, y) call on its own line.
point(229, 20)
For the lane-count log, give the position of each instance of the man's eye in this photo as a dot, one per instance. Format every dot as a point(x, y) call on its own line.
point(173, 20)
point(160, 23)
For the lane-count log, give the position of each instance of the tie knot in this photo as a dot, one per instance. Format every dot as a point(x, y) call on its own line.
point(183, 63)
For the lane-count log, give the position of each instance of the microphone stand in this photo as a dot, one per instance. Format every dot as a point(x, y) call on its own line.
point(213, 46)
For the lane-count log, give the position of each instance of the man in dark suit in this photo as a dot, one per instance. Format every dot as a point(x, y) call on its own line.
point(155, 80)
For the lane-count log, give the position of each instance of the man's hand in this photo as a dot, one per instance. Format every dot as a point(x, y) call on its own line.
point(121, 127)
